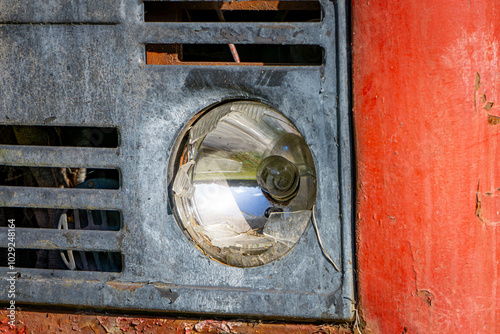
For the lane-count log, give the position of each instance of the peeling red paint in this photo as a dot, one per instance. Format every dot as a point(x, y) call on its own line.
point(493, 120)
point(425, 82)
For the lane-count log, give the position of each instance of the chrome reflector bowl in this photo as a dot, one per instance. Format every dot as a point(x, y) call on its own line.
point(242, 183)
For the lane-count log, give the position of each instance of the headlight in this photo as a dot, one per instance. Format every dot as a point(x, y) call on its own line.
point(243, 183)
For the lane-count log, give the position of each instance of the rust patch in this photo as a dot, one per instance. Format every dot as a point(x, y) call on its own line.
point(250, 5)
point(488, 106)
point(479, 210)
point(493, 120)
point(125, 286)
point(57, 322)
point(270, 5)
point(426, 296)
point(169, 54)
point(490, 208)
point(213, 325)
point(483, 98)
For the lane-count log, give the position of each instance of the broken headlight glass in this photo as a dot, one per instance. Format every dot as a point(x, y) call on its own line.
point(242, 183)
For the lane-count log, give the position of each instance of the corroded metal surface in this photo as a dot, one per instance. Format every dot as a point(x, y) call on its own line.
point(96, 75)
point(58, 11)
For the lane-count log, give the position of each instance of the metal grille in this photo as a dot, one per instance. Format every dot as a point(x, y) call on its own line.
point(85, 65)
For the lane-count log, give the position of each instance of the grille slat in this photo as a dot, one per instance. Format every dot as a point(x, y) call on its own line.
point(109, 241)
point(93, 199)
point(203, 33)
point(34, 273)
point(14, 155)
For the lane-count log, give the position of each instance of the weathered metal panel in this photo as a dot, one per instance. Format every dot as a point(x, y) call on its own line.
point(95, 75)
point(67, 73)
point(60, 11)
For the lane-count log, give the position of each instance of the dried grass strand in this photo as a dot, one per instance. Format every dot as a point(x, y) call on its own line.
point(315, 224)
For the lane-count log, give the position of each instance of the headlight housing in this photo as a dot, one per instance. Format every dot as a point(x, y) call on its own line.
point(242, 183)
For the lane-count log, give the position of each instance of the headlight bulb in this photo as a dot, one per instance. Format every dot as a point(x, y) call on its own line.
point(278, 177)
point(242, 182)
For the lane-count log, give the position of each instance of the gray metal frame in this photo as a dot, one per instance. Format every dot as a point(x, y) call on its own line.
point(86, 67)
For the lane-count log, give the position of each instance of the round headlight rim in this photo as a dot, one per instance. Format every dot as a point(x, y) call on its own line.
point(174, 160)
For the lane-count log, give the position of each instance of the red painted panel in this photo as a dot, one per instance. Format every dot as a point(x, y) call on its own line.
point(426, 86)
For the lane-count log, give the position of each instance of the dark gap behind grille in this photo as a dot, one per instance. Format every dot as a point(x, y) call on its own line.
point(220, 54)
point(59, 177)
point(237, 11)
point(103, 220)
point(71, 136)
point(51, 259)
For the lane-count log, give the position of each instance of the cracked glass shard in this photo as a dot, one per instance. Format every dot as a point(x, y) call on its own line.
point(243, 183)
point(207, 124)
point(183, 186)
point(287, 227)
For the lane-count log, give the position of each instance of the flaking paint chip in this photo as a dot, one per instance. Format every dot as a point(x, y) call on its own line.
point(488, 106)
point(493, 120)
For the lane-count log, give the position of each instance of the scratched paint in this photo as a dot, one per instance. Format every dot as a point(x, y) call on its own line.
point(426, 115)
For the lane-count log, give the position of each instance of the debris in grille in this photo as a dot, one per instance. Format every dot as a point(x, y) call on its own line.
point(68, 219)
point(90, 220)
point(220, 54)
point(237, 11)
point(34, 138)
